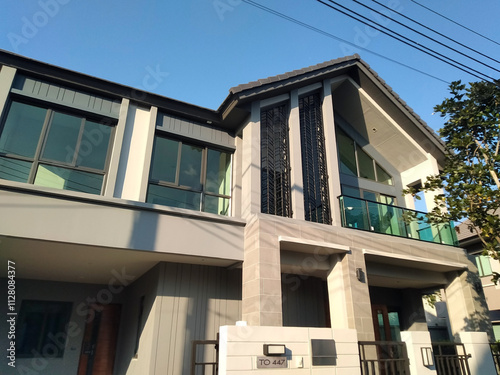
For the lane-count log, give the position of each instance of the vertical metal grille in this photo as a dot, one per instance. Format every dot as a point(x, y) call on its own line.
point(275, 162)
point(314, 172)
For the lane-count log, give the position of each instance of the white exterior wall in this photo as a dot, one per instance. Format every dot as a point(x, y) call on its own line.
point(136, 153)
point(240, 346)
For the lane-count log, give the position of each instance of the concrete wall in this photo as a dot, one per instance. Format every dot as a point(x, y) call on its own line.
point(241, 346)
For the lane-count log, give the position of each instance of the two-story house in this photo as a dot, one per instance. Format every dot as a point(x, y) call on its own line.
point(134, 225)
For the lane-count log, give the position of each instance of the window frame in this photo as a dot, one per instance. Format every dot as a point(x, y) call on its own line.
point(66, 309)
point(480, 259)
point(38, 158)
point(357, 147)
point(203, 172)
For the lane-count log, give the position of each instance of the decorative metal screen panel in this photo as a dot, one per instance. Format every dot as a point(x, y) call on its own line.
point(275, 162)
point(314, 172)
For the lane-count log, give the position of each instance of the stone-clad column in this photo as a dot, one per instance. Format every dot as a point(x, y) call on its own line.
point(349, 298)
point(261, 299)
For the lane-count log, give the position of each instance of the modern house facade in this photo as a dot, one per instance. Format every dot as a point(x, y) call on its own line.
point(136, 224)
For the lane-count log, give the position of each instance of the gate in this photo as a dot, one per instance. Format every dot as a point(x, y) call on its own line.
point(495, 352)
point(451, 359)
point(383, 358)
point(205, 357)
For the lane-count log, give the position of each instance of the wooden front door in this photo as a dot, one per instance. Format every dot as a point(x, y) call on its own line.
point(381, 323)
point(99, 342)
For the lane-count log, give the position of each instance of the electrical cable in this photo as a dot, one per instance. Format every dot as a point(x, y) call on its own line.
point(428, 37)
point(324, 33)
point(437, 32)
point(408, 41)
point(456, 23)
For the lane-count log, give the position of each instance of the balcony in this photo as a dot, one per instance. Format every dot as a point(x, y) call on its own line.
point(396, 221)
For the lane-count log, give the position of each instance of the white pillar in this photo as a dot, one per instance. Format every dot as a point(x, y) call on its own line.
point(477, 345)
point(296, 180)
point(415, 342)
point(332, 163)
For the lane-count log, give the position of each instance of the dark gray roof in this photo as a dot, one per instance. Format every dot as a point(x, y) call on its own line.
point(328, 66)
point(463, 231)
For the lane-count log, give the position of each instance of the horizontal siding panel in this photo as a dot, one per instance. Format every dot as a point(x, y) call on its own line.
point(63, 95)
point(196, 131)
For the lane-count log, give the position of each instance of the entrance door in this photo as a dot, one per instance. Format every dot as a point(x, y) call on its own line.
point(99, 341)
point(385, 323)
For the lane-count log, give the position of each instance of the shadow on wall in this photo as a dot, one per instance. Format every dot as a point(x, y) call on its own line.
point(480, 319)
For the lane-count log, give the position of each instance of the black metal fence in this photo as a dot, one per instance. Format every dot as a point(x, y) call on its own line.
point(205, 357)
point(451, 359)
point(383, 358)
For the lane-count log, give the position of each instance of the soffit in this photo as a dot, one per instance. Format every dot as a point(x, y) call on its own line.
point(399, 271)
point(66, 262)
point(375, 128)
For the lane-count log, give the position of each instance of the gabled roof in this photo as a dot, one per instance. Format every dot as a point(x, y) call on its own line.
point(233, 108)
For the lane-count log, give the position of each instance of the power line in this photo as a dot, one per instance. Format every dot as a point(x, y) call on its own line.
point(428, 37)
point(324, 33)
point(437, 32)
point(407, 41)
point(456, 23)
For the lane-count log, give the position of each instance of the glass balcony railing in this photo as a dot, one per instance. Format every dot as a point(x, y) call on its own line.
point(397, 221)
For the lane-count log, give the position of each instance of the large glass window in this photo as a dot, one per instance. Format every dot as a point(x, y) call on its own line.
point(275, 162)
point(314, 167)
point(39, 322)
point(50, 148)
point(354, 161)
point(190, 176)
point(483, 265)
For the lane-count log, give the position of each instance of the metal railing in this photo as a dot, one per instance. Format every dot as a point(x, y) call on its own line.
point(383, 358)
point(393, 220)
point(199, 363)
point(451, 359)
point(495, 352)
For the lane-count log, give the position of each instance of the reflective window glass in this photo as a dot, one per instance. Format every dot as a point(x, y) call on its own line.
point(188, 176)
point(14, 170)
point(190, 167)
point(346, 154)
point(218, 172)
point(68, 179)
point(365, 163)
point(61, 143)
point(164, 163)
point(216, 205)
point(382, 175)
point(93, 148)
point(21, 132)
point(174, 197)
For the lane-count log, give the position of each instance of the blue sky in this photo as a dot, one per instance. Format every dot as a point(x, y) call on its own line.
point(198, 49)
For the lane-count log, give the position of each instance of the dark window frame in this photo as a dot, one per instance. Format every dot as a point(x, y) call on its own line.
point(203, 172)
point(38, 158)
point(43, 342)
point(357, 147)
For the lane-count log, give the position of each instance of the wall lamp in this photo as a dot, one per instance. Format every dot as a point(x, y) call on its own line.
point(427, 357)
point(274, 349)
